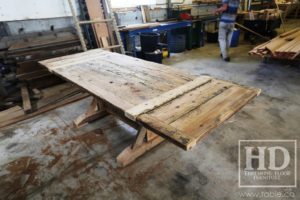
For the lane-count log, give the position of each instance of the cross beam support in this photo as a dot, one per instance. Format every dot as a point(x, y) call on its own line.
point(95, 111)
point(145, 140)
point(132, 152)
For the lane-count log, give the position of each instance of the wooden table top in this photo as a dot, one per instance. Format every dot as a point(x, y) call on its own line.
point(175, 105)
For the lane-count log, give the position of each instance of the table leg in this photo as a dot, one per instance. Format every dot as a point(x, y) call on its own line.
point(145, 141)
point(95, 111)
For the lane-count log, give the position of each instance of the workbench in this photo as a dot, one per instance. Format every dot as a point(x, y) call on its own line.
point(129, 35)
point(161, 102)
point(194, 31)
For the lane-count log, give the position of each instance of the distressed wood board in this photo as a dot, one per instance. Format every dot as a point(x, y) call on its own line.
point(184, 108)
point(101, 31)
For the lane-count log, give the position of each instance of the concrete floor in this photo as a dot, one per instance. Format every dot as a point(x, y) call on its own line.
point(45, 158)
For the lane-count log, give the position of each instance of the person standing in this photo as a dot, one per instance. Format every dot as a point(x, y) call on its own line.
point(228, 12)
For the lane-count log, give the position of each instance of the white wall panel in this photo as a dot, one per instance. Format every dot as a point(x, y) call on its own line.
point(130, 3)
point(174, 1)
point(133, 3)
point(11, 10)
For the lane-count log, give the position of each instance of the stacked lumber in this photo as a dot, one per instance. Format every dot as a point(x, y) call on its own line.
point(35, 102)
point(104, 32)
point(101, 30)
point(291, 8)
point(285, 46)
point(24, 77)
point(266, 14)
point(21, 60)
point(11, 113)
point(25, 54)
point(42, 46)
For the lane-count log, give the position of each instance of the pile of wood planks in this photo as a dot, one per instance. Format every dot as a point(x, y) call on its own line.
point(104, 32)
point(44, 46)
point(35, 102)
point(21, 66)
point(25, 53)
point(285, 46)
point(291, 8)
point(266, 14)
point(101, 30)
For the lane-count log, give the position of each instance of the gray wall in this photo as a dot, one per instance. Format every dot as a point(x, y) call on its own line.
point(37, 25)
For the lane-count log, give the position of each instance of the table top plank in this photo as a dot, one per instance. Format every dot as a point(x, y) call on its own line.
point(166, 97)
point(214, 112)
point(190, 101)
point(122, 82)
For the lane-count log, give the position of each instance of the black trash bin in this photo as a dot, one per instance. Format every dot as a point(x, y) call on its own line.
point(177, 43)
point(155, 56)
point(149, 41)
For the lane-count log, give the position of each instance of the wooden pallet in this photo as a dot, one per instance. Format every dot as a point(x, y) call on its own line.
point(160, 101)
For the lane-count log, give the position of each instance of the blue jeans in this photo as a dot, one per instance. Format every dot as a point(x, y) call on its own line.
point(225, 35)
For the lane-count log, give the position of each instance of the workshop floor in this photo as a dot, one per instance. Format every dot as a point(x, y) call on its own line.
point(45, 158)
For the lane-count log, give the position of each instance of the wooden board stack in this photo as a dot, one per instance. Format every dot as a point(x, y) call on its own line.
point(44, 46)
point(285, 46)
point(36, 102)
point(27, 52)
point(101, 30)
point(266, 14)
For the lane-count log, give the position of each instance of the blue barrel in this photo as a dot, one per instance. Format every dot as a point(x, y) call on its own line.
point(235, 38)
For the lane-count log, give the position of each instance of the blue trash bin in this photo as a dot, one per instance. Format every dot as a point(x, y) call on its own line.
point(235, 38)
